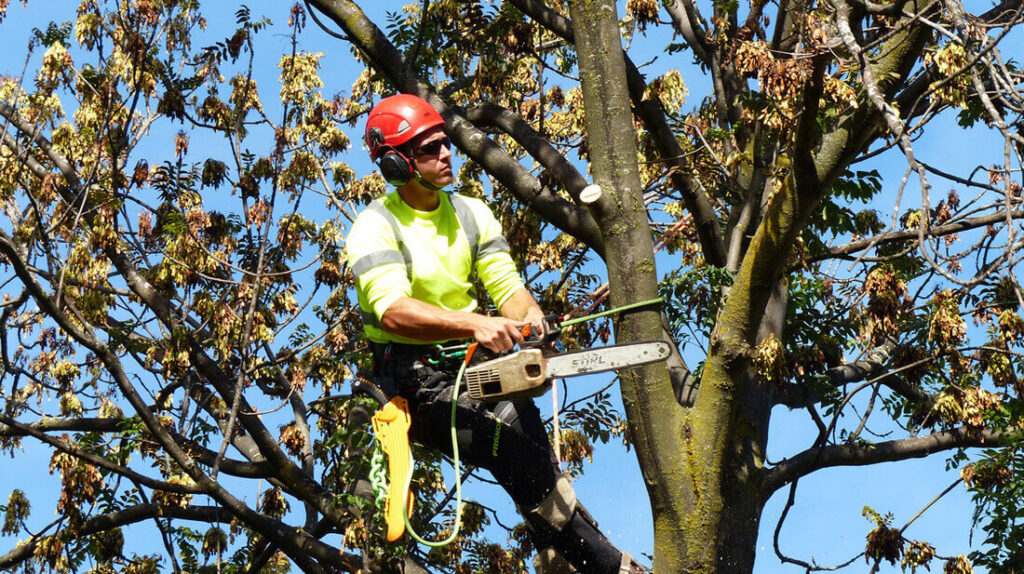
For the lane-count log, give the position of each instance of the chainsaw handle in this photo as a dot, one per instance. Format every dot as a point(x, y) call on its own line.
point(552, 328)
point(530, 340)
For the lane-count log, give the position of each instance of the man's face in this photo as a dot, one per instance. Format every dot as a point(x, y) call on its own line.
point(432, 157)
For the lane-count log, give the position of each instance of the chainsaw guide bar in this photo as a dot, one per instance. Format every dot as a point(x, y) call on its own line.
point(528, 373)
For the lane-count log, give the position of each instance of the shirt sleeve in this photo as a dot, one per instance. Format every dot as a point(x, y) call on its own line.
point(494, 265)
point(500, 277)
point(377, 264)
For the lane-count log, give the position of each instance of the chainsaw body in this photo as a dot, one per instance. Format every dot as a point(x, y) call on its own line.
point(519, 375)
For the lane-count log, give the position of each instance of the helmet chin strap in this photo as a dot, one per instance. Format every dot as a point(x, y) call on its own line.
point(419, 179)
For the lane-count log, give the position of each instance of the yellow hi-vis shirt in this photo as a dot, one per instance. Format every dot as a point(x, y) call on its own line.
point(441, 260)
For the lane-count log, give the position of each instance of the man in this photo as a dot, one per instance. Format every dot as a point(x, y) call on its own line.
point(414, 254)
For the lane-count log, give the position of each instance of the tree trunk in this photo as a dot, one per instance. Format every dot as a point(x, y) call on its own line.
point(701, 464)
point(655, 419)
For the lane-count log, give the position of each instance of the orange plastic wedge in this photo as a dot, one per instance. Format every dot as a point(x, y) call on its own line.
point(391, 425)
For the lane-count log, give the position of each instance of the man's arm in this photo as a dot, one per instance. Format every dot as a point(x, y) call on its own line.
point(521, 306)
point(412, 318)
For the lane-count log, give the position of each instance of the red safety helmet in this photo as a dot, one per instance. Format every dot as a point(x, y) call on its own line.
point(396, 120)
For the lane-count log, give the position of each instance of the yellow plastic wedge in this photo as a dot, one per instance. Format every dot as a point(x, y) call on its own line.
point(391, 425)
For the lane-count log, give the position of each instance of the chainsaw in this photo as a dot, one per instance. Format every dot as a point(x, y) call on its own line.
point(528, 372)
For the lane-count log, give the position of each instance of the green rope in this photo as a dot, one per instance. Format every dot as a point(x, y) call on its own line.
point(379, 477)
point(586, 318)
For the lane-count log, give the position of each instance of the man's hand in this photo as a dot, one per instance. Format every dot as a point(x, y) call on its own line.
point(523, 307)
point(535, 317)
point(498, 333)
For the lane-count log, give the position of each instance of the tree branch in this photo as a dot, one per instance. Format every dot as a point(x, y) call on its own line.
point(98, 460)
point(534, 143)
point(855, 131)
point(872, 367)
point(652, 114)
point(324, 553)
point(864, 454)
point(912, 234)
point(687, 21)
point(60, 424)
point(205, 455)
point(912, 100)
point(33, 133)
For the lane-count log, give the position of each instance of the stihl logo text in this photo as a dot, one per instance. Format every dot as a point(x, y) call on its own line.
point(588, 362)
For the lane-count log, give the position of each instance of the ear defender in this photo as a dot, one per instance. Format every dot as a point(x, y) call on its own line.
point(395, 167)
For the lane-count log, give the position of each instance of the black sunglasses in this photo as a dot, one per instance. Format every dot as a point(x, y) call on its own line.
point(432, 148)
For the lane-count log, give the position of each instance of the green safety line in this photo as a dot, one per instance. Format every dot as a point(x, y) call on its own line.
point(458, 479)
point(586, 318)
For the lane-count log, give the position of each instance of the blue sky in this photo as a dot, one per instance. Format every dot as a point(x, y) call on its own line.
point(826, 522)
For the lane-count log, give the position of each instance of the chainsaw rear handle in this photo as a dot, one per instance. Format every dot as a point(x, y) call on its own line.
point(513, 376)
point(552, 328)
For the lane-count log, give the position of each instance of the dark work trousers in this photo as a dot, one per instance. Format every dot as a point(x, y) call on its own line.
point(508, 438)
